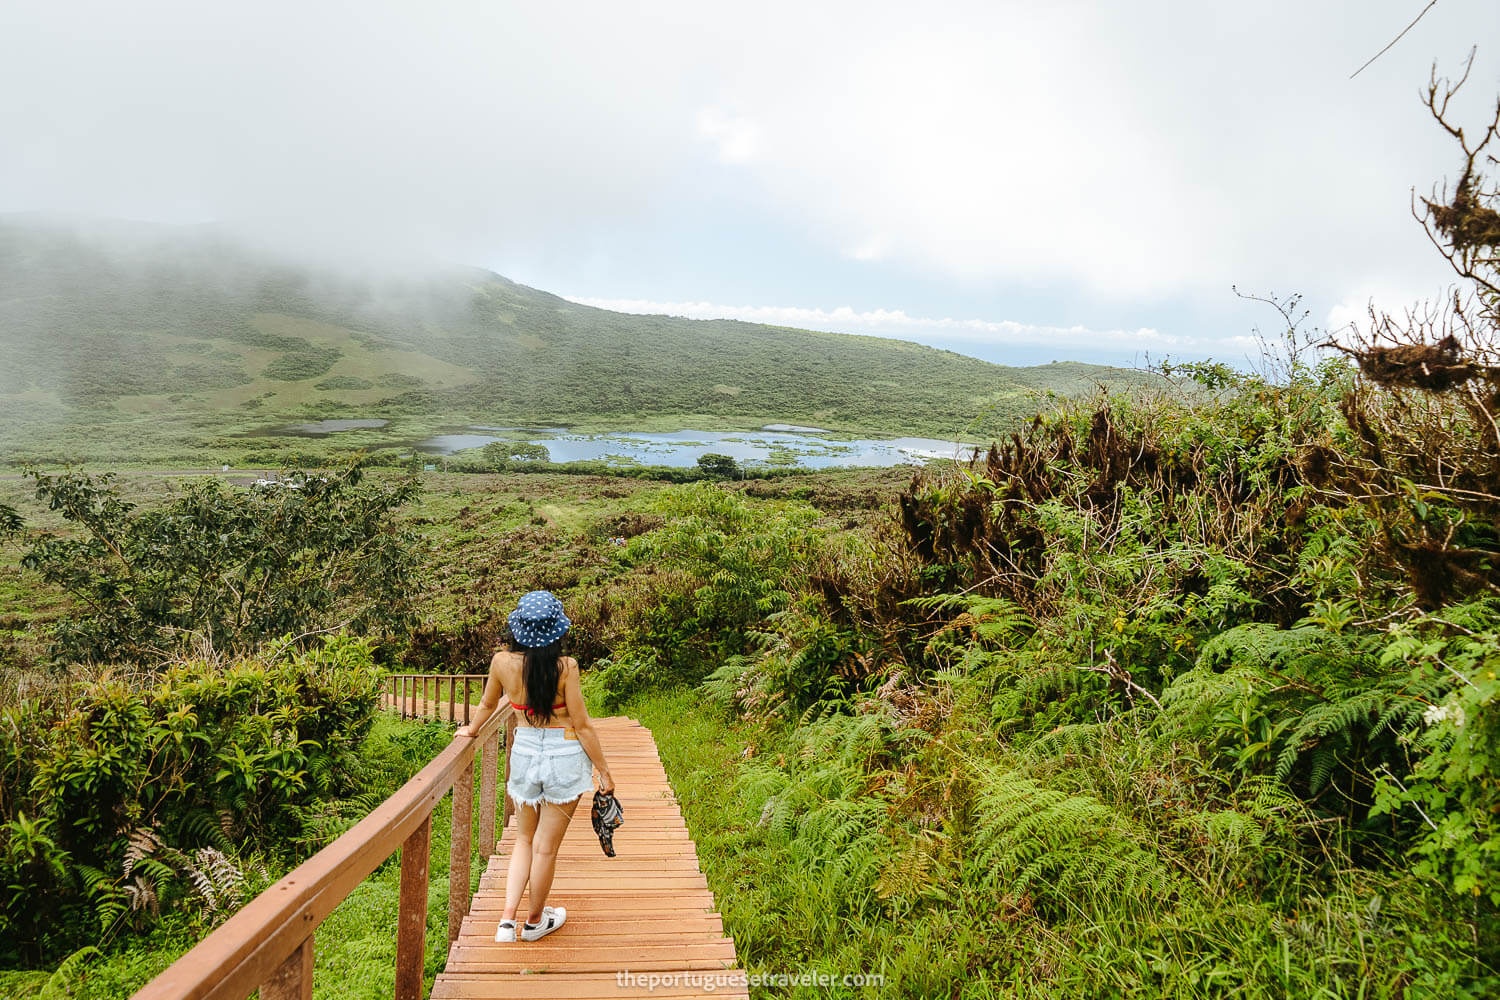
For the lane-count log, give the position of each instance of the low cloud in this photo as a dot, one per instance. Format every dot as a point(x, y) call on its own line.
point(735, 139)
point(898, 324)
point(1130, 159)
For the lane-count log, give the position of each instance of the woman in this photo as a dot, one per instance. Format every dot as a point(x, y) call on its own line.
point(550, 760)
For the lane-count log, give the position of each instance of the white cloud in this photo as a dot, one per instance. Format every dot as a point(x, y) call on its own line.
point(898, 324)
point(736, 139)
point(1133, 151)
point(873, 248)
point(1149, 153)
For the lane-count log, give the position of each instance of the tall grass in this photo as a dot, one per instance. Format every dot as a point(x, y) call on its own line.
point(853, 845)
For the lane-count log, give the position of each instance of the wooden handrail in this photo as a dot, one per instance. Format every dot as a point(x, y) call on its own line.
point(421, 695)
point(268, 944)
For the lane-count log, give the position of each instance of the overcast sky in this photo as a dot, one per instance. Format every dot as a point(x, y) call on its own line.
point(1016, 181)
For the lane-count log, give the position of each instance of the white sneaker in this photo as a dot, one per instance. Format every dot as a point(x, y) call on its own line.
point(553, 917)
point(506, 931)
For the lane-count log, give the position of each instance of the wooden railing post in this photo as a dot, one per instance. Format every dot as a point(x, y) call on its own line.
point(452, 694)
point(459, 844)
point(466, 701)
point(489, 767)
point(411, 918)
point(293, 979)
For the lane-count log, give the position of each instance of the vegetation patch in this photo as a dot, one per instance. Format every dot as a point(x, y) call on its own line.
point(123, 799)
point(344, 382)
point(302, 364)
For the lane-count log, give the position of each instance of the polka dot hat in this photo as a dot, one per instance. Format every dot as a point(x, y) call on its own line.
point(538, 620)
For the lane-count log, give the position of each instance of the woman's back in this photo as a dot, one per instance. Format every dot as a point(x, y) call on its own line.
point(510, 666)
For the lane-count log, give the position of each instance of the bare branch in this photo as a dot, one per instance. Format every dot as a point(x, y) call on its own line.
point(1394, 40)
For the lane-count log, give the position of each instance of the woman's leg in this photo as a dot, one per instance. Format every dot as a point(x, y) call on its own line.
point(520, 859)
point(549, 834)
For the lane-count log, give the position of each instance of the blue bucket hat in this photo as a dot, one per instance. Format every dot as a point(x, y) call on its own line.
point(538, 620)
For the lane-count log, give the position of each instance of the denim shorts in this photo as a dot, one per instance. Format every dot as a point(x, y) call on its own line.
point(548, 764)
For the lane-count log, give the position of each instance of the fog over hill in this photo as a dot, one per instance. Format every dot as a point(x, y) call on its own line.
point(112, 325)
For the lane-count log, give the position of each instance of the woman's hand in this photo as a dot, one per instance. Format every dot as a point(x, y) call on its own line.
point(606, 782)
point(463, 731)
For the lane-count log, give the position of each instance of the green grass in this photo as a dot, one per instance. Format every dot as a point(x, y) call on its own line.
point(168, 347)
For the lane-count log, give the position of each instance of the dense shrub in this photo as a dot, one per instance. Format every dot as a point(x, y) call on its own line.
point(138, 796)
point(713, 572)
point(344, 382)
point(307, 363)
point(222, 565)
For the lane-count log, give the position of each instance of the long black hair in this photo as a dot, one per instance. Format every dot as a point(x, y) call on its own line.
point(540, 669)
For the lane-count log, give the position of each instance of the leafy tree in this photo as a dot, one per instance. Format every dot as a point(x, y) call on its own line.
point(719, 466)
point(230, 566)
point(499, 453)
point(10, 521)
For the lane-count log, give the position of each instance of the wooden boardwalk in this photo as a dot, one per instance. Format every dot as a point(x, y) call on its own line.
point(645, 913)
point(639, 924)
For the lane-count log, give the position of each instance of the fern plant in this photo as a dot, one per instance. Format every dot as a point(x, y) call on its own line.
point(158, 871)
point(1065, 850)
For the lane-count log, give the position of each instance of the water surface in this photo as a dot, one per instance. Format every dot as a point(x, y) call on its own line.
point(682, 449)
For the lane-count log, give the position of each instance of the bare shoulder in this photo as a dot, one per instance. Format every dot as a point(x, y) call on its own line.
point(505, 664)
point(569, 665)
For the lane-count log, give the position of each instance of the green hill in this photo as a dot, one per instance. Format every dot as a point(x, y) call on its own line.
point(152, 343)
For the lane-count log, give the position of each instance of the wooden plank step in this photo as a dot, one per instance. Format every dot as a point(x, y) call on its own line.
point(604, 955)
point(650, 906)
point(668, 926)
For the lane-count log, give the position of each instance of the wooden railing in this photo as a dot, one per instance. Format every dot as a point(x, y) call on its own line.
point(421, 695)
point(268, 945)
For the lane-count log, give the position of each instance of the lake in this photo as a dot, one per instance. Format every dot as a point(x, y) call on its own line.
point(774, 445)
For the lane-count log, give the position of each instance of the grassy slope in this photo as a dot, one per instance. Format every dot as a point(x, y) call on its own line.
point(163, 344)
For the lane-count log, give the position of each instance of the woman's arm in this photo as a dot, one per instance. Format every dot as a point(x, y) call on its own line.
point(488, 702)
point(578, 717)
